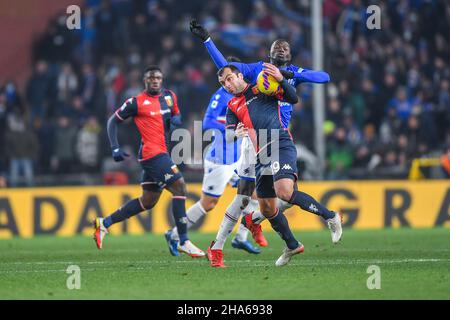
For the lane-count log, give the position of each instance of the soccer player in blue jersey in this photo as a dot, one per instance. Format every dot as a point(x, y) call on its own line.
point(220, 166)
point(280, 56)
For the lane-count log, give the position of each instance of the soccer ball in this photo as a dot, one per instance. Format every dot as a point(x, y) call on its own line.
point(267, 84)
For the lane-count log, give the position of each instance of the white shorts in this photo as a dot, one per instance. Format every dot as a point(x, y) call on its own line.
point(217, 176)
point(246, 164)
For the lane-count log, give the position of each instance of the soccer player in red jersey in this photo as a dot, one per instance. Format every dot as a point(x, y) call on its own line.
point(154, 110)
point(257, 115)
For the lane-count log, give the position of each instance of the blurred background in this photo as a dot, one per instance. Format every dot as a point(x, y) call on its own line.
point(387, 107)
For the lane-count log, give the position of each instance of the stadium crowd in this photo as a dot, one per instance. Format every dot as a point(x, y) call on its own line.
point(388, 101)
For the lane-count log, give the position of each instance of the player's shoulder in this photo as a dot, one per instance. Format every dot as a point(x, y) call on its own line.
point(294, 68)
point(233, 103)
point(166, 92)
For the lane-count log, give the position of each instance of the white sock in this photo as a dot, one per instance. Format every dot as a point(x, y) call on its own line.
point(242, 232)
point(230, 219)
point(253, 206)
point(193, 214)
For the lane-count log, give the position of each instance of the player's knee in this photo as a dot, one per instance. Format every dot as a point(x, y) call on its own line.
point(284, 192)
point(148, 201)
point(178, 188)
point(208, 203)
point(266, 208)
point(245, 201)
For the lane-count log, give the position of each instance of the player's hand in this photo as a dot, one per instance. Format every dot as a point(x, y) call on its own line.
point(198, 30)
point(273, 71)
point(241, 131)
point(119, 155)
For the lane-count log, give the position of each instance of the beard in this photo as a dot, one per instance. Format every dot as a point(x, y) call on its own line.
point(279, 61)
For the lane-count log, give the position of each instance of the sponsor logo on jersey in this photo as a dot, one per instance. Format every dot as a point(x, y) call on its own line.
point(251, 100)
point(153, 113)
point(286, 167)
point(146, 102)
point(167, 176)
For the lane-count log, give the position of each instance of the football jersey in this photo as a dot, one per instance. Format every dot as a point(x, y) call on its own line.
point(258, 111)
point(152, 116)
point(220, 151)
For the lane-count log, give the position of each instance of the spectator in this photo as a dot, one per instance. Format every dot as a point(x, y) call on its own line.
point(88, 145)
point(340, 156)
point(22, 145)
point(63, 160)
point(39, 89)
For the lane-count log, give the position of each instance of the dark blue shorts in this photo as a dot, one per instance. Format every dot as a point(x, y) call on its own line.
point(283, 166)
point(159, 172)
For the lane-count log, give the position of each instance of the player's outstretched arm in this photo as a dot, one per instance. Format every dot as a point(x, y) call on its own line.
point(312, 76)
point(199, 31)
point(117, 153)
point(306, 75)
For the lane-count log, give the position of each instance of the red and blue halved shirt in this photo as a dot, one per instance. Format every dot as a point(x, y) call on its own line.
point(258, 111)
point(152, 116)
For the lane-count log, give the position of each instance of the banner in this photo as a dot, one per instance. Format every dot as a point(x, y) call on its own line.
point(67, 211)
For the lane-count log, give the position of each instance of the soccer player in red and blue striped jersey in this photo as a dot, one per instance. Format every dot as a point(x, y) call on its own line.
point(154, 111)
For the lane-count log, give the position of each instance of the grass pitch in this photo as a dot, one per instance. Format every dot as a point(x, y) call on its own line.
point(414, 264)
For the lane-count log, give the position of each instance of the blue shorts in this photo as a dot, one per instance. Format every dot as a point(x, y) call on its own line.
point(159, 172)
point(284, 166)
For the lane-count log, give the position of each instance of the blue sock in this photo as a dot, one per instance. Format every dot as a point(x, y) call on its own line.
point(179, 214)
point(128, 210)
point(306, 202)
point(281, 226)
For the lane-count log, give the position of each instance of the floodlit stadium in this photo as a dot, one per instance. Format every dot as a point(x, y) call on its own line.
point(225, 150)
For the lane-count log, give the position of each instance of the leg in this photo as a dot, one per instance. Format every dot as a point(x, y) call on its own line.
point(215, 179)
point(14, 169)
point(178, 190)
point(233, 213)
point(285, 187)
point(196, 212)
point(285, 191)
point(268, 205)
point(278, 221)
point(28, 171)
point(245, 188)
point(146, 201)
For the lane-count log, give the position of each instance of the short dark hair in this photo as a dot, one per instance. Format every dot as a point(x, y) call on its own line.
point(233, 69)
point(152, 68)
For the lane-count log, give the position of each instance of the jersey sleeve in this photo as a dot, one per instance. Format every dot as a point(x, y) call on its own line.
point(306, 75)
point(286, 93)
point(175, 108)
point(215, 54)
point(128, 109)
